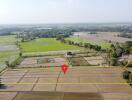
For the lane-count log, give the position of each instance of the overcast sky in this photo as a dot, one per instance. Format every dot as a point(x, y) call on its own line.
point(64, 11)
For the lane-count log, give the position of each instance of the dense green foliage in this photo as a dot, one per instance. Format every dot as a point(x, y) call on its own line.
point(84, 44)
point(126, 74)
point(48, 33)
point(115, 52)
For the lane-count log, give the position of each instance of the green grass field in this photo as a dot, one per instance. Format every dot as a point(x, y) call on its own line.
point(76, 39)
point(7, 54)
point(45, 45)
point(9, 39)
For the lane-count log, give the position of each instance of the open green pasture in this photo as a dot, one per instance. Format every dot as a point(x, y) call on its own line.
point(45, 45)
point(8, 39)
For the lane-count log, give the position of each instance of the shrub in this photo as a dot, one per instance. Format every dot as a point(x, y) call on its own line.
point(126, 74)
point(7, 63)
point(16, 61)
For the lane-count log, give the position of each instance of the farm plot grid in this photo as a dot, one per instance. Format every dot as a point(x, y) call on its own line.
point(47, 61)
point(106, 81)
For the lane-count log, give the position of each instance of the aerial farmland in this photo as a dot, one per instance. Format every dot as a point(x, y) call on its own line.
point(98, 65)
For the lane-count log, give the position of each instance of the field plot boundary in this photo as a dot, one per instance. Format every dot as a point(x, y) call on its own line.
point(52, 69)
point(83, 79)
point(111, 83)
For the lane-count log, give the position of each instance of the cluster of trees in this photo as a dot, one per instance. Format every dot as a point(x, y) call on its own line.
point(116, 51)
point(113, 54)
point(37, 29)
point(47, 33)
point(90, 46)
point(25, 36)
point(52, 33)
point(126, 35)
point(100, 27)
point(92, 33)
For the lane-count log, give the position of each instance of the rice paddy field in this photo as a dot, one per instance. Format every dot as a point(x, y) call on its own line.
point(8, 39)
point(37, 84)
point(45, 45)
point(8, 50)
point(106, 83)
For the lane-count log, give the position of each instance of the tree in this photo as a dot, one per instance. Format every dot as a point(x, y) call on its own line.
point(69, 42)
point(81, 44)
point(112, 47)
point(126, 74)
point(97, 48)
point(86, 45)
point(7, 63)
point(112, 55)
point(119, 51)
point(20, 54)
point(113, 61)
point(126, 48)
point(72, 42)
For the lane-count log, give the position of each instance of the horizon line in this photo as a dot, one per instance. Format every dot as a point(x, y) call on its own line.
point(66, 23)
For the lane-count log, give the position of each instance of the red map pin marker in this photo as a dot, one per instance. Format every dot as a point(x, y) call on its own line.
point(64, 68)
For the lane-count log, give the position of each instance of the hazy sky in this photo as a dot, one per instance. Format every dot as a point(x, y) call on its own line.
point(64, 11)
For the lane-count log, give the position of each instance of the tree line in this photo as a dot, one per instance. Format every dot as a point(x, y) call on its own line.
point(49, 33)
point(80, 44)
point(115, 51)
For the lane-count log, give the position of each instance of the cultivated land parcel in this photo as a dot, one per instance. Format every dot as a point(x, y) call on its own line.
point(83, 83)
point(41, 78)
point(45, 45)
point(102, 39)
point(8, 49)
